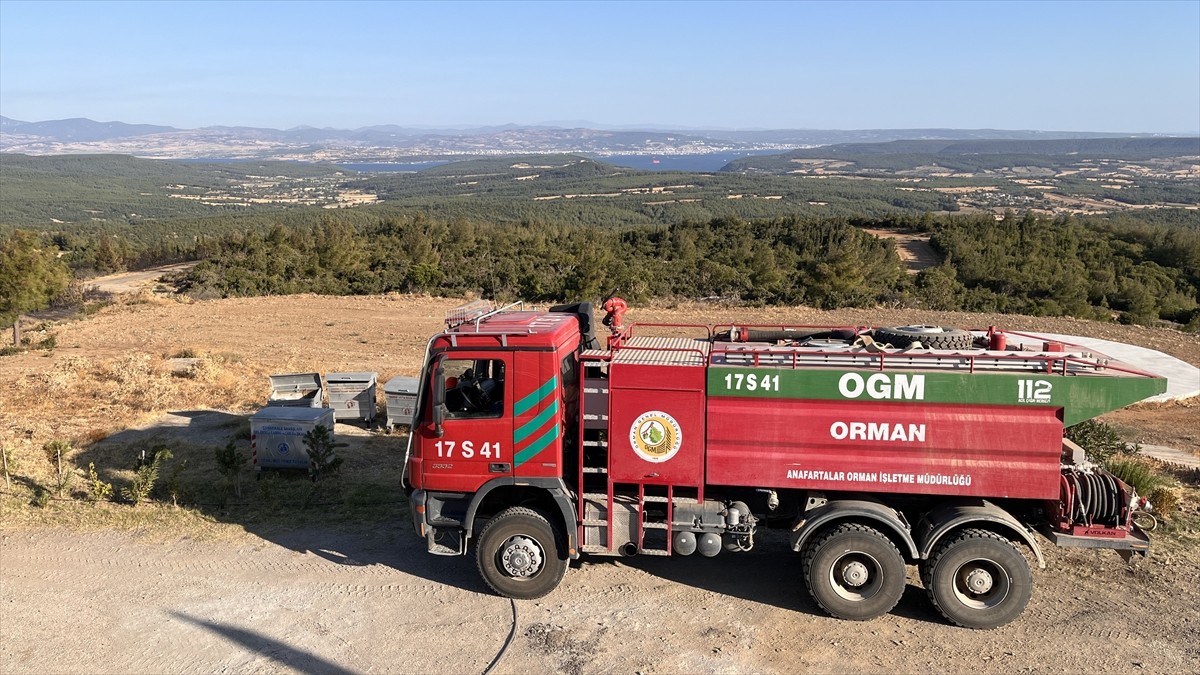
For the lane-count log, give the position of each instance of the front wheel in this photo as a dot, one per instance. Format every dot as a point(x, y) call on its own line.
point(854, 572)
point(978, 580)
point(520, 554)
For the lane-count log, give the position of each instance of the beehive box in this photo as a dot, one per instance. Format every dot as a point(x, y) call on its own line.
point(277, 435)
point(401, 394)
point(301, 390)
point(352, 395)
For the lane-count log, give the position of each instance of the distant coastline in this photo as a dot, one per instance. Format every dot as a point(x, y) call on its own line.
point(712, 161)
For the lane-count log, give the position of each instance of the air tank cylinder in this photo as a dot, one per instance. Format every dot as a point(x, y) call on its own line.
point(709, 544)
point(684, 544)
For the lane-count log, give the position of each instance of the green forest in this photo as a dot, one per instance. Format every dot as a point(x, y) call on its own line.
point(784, 260)
point(1132, 272)
point(1137, 272)
point(1096, 268)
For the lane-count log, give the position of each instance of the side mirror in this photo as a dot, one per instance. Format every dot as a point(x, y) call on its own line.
point(439, 401)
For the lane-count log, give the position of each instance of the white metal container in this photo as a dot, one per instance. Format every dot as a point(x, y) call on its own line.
point(277, 435)
point(352, 395)
point(302, 390)
point(401, 394)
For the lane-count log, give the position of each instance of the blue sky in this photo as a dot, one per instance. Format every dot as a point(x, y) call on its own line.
point(1081, 66)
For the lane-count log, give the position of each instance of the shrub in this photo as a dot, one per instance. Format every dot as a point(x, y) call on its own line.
point(1136, 474)
point(145, 475)
point(74, 295)
point(94, 307)
point(54, 454)
point(1164, 499)
point(321, 449)
point(174, 484)
point(98, 490)
point(229, 465)
point(41, 497)
point(1100, 441)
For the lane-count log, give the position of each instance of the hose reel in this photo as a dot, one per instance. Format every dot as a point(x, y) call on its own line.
point(1099, 498)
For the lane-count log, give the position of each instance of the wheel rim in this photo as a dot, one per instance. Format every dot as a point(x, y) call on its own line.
point(521, 557)
point(981, 583)
point(919, 330)
point(856, 576)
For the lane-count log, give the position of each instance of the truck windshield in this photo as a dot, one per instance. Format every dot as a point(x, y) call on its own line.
point(474, 387)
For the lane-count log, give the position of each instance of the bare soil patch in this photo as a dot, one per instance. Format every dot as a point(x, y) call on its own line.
point(914, 249)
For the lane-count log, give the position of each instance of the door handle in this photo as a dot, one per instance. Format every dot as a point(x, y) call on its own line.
point(499, 467)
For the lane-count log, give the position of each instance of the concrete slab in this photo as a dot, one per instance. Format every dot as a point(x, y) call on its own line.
point(1171, 455)
point(1183, 379)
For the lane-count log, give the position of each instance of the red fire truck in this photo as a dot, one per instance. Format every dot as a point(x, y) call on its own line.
point(875, 447)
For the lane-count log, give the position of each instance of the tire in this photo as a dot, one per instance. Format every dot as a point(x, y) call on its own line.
point(854, 572)
point(978, 580)
point(520, 554)
point(931, 337)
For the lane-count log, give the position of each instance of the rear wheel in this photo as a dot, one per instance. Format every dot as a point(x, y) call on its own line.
point(978, 580)
point(520, 554)
point(854, 572)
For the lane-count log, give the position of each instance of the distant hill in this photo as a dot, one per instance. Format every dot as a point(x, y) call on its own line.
point(973, 154)
point(7, 123)
point(81, 129)
point(395, 143)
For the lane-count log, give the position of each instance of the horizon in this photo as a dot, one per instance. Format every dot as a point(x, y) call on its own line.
point(1080, 67)
point(595, 126)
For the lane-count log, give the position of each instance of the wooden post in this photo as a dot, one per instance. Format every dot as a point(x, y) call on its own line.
point(17, 332)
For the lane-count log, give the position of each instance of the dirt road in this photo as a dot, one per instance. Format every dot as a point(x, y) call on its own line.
point(375, 602)
point(131, 282)
point(914, 249)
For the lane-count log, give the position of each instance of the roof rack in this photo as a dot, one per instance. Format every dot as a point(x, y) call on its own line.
point(469, 312)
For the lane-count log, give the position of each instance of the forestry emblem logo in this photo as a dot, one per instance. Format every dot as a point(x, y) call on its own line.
point(655, 436)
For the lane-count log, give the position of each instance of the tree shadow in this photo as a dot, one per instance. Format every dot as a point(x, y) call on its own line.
point(192, 427)
point(33, 486)
point(358, 517)
point(279, 652)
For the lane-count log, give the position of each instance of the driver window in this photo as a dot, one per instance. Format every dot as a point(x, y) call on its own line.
point(474, 388)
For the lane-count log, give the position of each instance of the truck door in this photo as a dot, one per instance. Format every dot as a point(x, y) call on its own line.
point(477, 432)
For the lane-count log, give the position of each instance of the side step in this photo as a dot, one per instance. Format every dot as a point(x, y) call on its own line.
point(457, 542)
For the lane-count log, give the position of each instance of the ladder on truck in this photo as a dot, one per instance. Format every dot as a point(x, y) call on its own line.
point(615, 514)
point(596, 496)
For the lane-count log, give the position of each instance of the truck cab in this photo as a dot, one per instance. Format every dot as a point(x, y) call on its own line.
point(496, 429)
